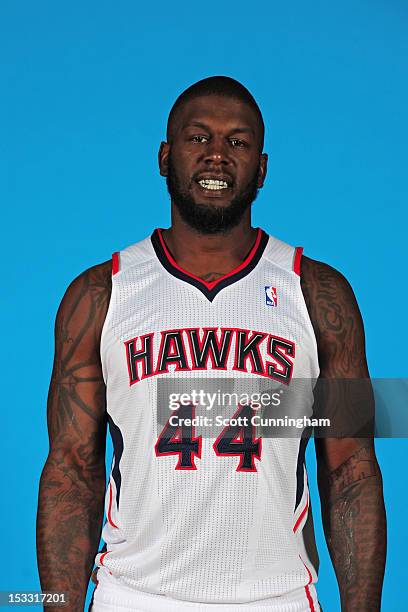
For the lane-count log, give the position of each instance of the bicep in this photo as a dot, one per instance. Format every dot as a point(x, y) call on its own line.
point(343, 391)
point(341, 343)
point(76, 410)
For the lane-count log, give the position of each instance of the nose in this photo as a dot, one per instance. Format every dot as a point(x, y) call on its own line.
point(217, 151)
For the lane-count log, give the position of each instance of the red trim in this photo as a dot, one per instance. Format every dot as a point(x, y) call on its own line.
point(212, 284)
point(296, 260)
point(301, 515)
point(309, 599)
point(115, 263)
point(102, 557)
point(308, 572)
point(110, 507)
point(307, 590)
point(101, 561)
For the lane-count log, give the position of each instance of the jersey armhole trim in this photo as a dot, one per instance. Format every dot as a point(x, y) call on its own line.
point(115, 263)
point(297, 259)
point(108, 317)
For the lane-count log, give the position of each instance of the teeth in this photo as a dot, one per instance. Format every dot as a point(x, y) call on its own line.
point(213, 184)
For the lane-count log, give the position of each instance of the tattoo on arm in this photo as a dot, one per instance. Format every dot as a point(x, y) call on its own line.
point(72, 485)
point(336, 320)
point(358, 467)
point(354, 522)
point(349, 477)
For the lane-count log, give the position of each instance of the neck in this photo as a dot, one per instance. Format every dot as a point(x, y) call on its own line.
point(209, 256)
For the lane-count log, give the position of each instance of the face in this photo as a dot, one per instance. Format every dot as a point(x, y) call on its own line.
point(213, 162)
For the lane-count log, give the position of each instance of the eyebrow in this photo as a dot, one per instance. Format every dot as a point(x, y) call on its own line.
point(236, 130)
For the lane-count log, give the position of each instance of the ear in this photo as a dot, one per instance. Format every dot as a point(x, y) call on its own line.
point(163, 158)
point(263, 166)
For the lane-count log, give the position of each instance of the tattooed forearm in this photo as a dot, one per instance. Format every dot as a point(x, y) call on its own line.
point(354, 523)
point(72, 485)
point(358, 467)
point(68, 528)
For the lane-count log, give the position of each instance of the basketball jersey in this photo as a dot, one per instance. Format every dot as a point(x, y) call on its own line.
point(206, 514)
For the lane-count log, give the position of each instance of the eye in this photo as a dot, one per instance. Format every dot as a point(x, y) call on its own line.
point(199, 139)
point(237, 143)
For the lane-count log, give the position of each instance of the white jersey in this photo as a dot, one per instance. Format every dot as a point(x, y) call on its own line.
point(206, 511)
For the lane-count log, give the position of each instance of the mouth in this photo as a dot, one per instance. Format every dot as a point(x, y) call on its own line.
point(214, 184)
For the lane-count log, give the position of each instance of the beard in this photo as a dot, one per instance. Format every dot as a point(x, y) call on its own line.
point(209, 218)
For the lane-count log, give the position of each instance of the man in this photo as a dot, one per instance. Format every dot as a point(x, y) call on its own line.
point(206, 522)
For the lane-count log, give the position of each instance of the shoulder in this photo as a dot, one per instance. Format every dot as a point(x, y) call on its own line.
point(86, 299)
point(324, 286)
point(319, 276)
point(96, 280)
point(334, 313)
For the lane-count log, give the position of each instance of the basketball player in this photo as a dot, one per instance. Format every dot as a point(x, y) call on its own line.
point(196, 522)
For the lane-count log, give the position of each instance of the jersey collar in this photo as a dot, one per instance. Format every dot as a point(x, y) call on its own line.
point(210, 290)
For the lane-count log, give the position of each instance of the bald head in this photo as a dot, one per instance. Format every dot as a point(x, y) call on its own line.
point(220, 86)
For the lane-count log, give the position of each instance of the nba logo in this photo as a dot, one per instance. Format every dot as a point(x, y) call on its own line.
point(271, 296)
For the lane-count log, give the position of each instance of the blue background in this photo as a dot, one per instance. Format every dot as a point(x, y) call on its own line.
point(86, 88)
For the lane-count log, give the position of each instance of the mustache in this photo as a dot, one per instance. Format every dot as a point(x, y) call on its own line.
point(212, 174)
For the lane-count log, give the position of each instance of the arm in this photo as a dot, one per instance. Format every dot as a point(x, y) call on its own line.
point(72, 485)
point(349, 477)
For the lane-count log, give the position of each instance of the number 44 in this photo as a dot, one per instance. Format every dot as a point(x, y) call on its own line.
point(233, 441)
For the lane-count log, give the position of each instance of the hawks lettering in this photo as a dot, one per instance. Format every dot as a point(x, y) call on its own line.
point(210, 349)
